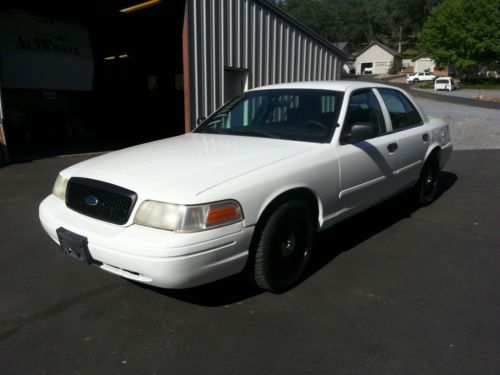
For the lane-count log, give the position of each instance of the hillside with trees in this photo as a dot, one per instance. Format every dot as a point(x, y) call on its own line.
point(359, 22)
point(461, 34)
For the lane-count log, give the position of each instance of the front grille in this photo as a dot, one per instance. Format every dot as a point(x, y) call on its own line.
point(100, 200)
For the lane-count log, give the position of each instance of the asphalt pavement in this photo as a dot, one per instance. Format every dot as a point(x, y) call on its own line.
point(392, 291)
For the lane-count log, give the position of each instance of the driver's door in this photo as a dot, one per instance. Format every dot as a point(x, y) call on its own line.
point(366, 167)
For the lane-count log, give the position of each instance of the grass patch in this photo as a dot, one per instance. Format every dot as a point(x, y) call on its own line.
point(425, 85)
point(480, 86)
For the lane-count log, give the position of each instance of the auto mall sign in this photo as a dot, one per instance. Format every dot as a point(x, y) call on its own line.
point(46, 44)
point(44, 54)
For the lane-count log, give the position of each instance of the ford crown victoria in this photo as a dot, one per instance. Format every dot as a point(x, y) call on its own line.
point(249, 188)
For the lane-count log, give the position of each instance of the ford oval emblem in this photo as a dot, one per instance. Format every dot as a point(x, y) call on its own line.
point(91, 200)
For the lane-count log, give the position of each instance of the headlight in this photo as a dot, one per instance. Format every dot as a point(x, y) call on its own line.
point(180, 218)
point(59, 189)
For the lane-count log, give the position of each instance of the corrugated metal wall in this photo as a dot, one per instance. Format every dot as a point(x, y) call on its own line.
point(250, 36)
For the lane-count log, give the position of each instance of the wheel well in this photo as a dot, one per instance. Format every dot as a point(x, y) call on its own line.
point(301, 194)
point(435, 153)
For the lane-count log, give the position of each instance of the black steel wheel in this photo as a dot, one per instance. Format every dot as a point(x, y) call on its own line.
point(426, 187)
point(283, 247)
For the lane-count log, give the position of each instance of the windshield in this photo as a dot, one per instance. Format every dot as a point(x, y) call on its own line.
point(295, 114)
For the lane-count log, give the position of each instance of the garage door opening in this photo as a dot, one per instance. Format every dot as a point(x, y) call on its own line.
point(366, 68)
point(131, 93)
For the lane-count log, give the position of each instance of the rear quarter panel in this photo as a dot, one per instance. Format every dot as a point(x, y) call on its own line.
point(440, 139)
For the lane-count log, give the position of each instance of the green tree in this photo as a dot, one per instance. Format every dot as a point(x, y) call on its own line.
point(463, 33)
point(314, 13)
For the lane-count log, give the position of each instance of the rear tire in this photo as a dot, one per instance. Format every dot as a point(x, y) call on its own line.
point(283, 247)
point(426, 188)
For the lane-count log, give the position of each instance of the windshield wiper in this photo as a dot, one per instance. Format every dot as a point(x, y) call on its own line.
point(210, 131)
point(256, 133)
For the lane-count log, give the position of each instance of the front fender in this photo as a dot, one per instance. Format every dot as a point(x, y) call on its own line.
point(291, 190)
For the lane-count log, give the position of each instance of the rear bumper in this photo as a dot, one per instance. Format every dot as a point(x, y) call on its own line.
point(446, 151)
point(153, 256)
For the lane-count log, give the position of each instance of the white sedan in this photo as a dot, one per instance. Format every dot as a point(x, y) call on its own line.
point(249, 188)
point(420, 77)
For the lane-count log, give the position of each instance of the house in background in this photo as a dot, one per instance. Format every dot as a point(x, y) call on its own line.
point(376, 58)
point(348, 67)
point(423, 63)
point(408, 65)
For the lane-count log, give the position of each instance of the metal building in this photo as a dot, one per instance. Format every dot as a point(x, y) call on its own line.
point(88, 74)
point(236, 45)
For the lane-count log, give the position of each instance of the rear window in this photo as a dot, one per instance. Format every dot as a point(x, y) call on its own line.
point(442, 80)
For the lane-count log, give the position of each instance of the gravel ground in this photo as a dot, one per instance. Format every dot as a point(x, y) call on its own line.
point(472, 128)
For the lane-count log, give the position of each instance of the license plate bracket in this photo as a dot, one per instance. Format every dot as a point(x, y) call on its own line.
point(74, 245)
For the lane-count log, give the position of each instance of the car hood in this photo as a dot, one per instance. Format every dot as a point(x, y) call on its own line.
point(190, 163)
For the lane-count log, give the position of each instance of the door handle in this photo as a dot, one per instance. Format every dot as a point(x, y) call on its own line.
point(392, 147)
point(425, 137)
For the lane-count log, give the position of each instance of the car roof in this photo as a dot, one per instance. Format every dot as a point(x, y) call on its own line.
point(323, 85)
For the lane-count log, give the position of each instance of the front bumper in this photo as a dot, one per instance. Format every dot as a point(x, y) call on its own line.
point(154, 256)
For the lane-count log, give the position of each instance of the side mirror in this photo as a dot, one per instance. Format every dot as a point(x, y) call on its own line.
point(361, 131)
point(200, 120)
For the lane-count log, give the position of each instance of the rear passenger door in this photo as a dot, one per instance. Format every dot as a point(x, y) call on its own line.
point(366, 167)
point(411, 134)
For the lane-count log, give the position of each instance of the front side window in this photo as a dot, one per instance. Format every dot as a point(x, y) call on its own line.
point(363, 108)
point(295, 114)
point(403, 113)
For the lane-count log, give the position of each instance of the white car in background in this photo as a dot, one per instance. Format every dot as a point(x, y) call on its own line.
point(250, 187)
point(420, 77)
point(445, 83)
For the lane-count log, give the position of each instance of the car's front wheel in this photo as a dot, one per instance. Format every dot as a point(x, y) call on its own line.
point(282, 247)
point(415, 80)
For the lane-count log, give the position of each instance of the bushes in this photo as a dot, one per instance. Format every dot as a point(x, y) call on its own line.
point(395, 67)
point(480, 83)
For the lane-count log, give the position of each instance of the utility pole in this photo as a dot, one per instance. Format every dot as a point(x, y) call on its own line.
point(370, 30)
point(400, 35)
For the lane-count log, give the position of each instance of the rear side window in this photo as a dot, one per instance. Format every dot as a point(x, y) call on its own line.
point(403, 113)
